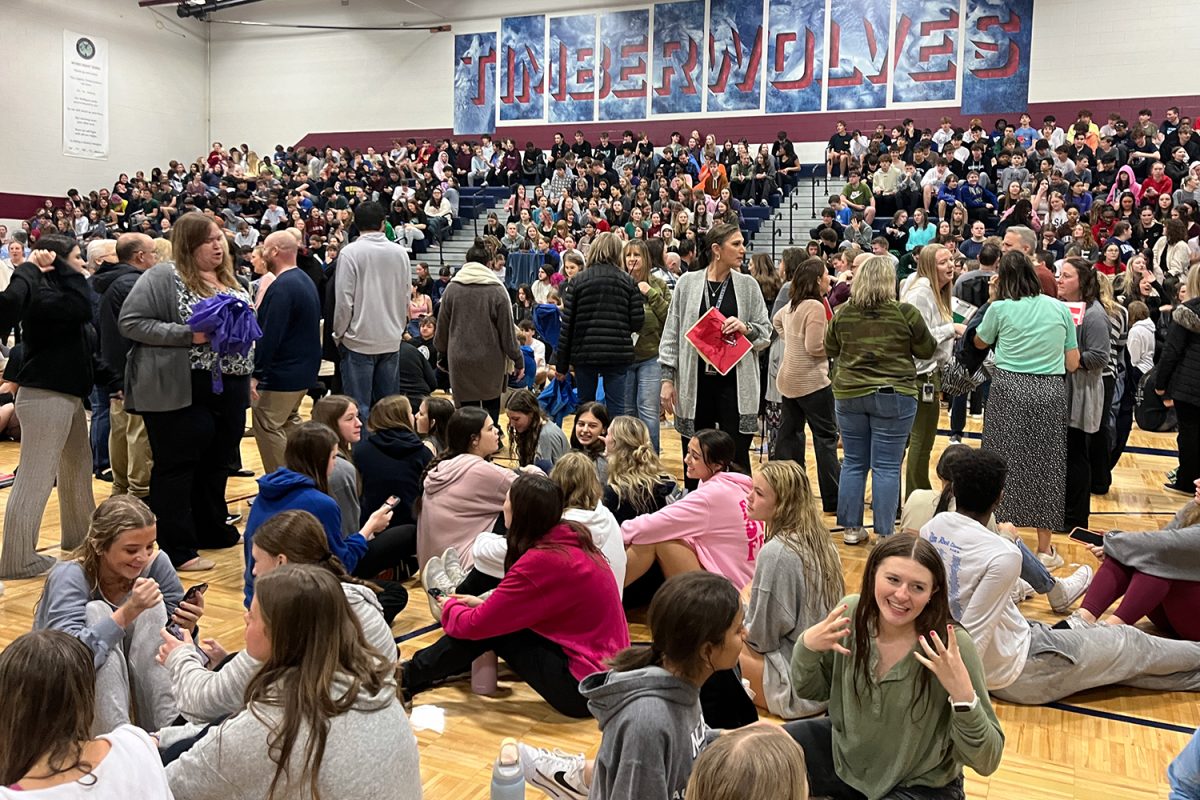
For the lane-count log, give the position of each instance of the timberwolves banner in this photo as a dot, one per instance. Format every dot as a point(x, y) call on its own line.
point(624, 64)
point(475, 83)
point(522, 68)
point(996, 79)
point(678, 37)
point(768, 56)
point(572, 68)
point(795, 58)
point(926, 51)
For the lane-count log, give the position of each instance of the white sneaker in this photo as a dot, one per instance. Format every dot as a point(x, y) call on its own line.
point(558, 774)
point(1022, 591)
point(453, 566)
point(1076, 622)
point(1051, 560)
point(852, 536)
point(433, 576)
point(1069, 589)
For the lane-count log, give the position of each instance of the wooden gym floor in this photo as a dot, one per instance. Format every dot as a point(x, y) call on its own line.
point(1113, 743)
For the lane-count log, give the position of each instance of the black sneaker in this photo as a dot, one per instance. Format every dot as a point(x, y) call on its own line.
point(233, 519)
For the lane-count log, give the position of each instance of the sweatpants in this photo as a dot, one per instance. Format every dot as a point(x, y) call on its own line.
point(1063, 662)
point(131, 673)
point(54, 436)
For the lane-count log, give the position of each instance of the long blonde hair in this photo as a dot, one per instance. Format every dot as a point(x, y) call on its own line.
point(191, 231)
point(116, 515)
point(633, 467)
point(797, 524)
point(927, 268)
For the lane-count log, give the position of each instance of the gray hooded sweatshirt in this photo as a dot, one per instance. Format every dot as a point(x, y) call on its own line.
point(652, 731)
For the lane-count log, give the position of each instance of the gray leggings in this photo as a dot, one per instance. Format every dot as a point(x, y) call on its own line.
point(130, 672)
point(54, 445)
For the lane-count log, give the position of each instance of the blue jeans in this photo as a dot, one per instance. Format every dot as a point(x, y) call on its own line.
point(874, 433)
point(1033, 571)
point(643, 387)
point(369, 379)
point(100, 428)
point(586, 379)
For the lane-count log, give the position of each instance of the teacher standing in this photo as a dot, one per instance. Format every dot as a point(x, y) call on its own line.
point(194, 426)
point(698, 395)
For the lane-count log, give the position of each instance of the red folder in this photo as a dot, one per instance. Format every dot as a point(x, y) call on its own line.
point(721, 351)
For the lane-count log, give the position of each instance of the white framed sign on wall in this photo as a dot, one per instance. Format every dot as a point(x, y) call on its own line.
point(85, 96)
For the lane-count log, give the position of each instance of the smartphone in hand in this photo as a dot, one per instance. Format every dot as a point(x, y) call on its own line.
point(1088, 537)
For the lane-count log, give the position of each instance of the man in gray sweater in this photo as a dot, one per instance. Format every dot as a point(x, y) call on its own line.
point(371, 303)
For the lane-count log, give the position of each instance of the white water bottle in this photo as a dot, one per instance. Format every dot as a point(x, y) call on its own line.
point(508, 777)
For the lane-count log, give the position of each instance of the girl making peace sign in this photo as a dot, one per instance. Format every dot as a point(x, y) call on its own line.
point(908, 703)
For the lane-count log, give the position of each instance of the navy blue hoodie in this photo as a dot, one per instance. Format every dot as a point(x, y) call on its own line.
point(391, 463)
point(285, 490)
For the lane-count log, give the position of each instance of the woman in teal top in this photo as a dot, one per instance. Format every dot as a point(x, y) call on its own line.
point(1026, 420)
point(921, 232)
point(891, 660)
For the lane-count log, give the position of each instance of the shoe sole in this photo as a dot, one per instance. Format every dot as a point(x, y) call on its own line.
point(435, 610)
point(552, 789)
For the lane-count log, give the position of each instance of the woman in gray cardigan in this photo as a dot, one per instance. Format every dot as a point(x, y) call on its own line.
point(699, 396)
point(195, 427)
point(1077, 283)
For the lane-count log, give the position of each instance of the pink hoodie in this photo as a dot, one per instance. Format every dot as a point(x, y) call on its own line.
point(559, 592)
point(463, 497)
point(712, 520)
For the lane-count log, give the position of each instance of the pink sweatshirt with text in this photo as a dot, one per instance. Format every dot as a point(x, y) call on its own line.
point(712, 520)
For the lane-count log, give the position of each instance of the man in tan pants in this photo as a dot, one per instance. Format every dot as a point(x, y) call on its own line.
point(128, 444)
point(288, 356)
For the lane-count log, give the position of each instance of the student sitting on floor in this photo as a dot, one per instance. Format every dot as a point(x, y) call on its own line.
point(588, 434)
point(576, 476)
point(797, 580)
point(648, 702)
point(463, 490)
point(533, 438)
point(391, 460)
point(340, 414)
point(303, 484)
point(759, 761)
point(923, 504)
point(432, 417)
point(1028, 662)
point(555, 617)
point(49, 685)
point(901, 678)
point(322, 707)
point(1155, 575)
point(637, 481)
point(707, 529)
point(115, 594)
point(290, 537)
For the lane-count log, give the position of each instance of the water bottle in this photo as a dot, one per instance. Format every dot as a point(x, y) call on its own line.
point(483, 674)
point(508, 777)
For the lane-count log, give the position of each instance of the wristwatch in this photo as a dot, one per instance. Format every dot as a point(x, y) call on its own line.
point(963, 708)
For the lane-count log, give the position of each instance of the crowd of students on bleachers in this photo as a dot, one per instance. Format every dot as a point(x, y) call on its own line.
point(860, 337)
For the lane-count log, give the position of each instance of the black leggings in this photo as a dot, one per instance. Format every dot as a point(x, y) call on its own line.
point(538, 661)
point(816, 737)
point(394, 547)
point(717, 407)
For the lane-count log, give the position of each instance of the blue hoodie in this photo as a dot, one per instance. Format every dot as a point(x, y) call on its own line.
point(285, 490)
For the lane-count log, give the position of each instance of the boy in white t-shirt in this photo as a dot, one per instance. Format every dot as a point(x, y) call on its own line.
point(1029, 662)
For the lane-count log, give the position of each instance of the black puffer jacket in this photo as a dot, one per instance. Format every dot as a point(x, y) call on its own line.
point(1178, 371)
point(602, 309)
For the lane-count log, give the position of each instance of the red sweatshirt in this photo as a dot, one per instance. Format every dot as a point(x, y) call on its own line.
point(559, 592)
point(1163, 185)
